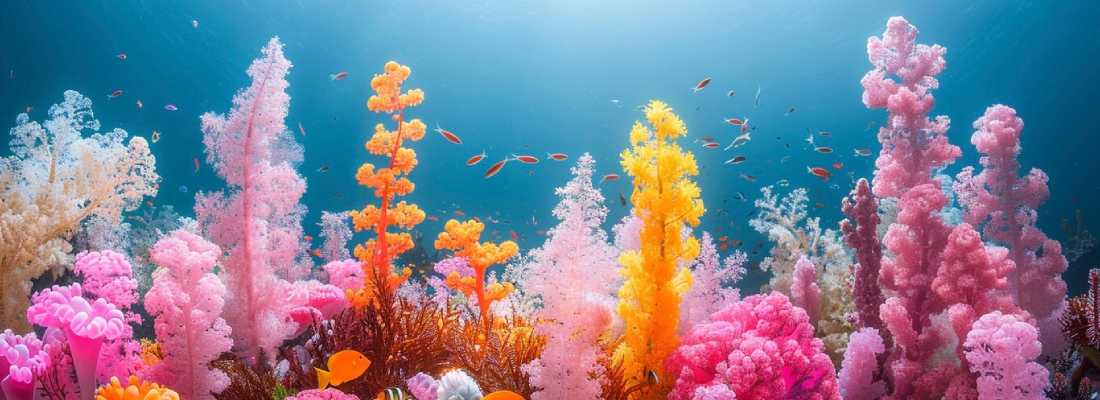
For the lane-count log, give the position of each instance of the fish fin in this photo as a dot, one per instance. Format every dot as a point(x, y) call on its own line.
point(332, 77)
point(323, 378)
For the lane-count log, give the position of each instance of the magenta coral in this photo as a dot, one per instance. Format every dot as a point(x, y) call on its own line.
point(86, 326)
point(186, 301)
point(1004, 206)
point(912, 145)
point(714, 283)
point(258, 221)
point(1000, 349)
point(804, 290)
point(108, 275)
point(858, 376)
point(860, 232)
point(325, 394)
point(314, 302)
point(574, 273)
point(759, 348)
point(22, 360)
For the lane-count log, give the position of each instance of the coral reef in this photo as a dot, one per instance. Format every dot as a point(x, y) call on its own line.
point(666, 201)
point(860, 232)
point(257, 219)
point(55, 178)
point(388, 182)
point(714, 283)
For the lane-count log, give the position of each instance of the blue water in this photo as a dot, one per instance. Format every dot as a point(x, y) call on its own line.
point(539, 76)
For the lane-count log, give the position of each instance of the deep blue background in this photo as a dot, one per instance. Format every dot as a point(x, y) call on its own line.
point(538, 76)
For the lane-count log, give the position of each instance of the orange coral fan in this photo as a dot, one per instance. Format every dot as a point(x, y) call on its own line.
point(462, 238)
point(137, 389)
point(388, 182)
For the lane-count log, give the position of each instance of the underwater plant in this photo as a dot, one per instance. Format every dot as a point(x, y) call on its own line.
point(377, 254)
point(666, 200)
point(187, 301)
point(257, 220)
point(762, 347)
point(56, 177)
point(463, 238)
point(135, 389)
point(1003, 206)
point(574, 274)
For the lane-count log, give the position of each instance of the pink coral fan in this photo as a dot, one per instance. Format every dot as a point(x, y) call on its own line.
point(804, 290)
point(345, 274)
point(860, 368)
point(1000, 349)
point(22, 360)
point(186, 301)
point(574, 273)
point(86, 326)
point(108, 275)
point(423, 387)
point(759, 348)
point(1004, 206)
point(258, 220)
point(714, 283)
point(860, 233)
point(908, 131)
point(325, 394)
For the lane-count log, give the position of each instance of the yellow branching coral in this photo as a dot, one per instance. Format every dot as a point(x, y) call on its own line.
point(666, 200)
point(388, 182)
point(462, 238)
point(136, 389)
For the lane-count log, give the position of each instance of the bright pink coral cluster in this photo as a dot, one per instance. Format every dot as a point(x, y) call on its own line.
point(22, 360)
point(759, 348)
point(902, 81)
point(258, 220)
point(314, 302)
point(108, 275)
point(186, 301)
point(804, 290)
point(1000, 349)
point(323, 394)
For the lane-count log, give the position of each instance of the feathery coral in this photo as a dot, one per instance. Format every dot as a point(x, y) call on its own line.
point(714, 283)
point(666, 201)
point(326, 394)
point(136, 389)
point(257, 221)
point(388, 182)
point(463, 239)
point(759, 348)
point(55, 178)
point(187, 301)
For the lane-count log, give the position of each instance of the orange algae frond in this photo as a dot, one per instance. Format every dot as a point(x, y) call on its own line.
point(462, 238)
point(666, 201)
point(136, 389)
point(388, 182)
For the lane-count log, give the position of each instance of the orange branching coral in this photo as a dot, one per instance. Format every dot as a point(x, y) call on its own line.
point(388, 182)
point(667, 202)
point(136, 389)
point(462, 238)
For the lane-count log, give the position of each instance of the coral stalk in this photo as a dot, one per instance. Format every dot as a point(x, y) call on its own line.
point(860, 232)
point(463, 238)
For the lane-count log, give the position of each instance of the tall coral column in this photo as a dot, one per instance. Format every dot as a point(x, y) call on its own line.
point(388, 182)
point(667, 202)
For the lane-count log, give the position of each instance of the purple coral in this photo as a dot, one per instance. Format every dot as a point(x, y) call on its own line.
point(759, 348)
point(186, 301)
point(1000, 349)
point(86, 326)
point(423, 387)
point(22, 360)
point(258, 220)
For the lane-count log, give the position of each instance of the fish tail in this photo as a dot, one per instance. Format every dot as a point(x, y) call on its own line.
point(323, 378)
point(332, 77)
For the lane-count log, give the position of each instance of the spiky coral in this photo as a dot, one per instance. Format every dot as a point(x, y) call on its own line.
point(464, 240)
point(55, 178)
point(667, 201)
point(1081, 325)
point(135, 389)
point(257, 220)
point(388, 182)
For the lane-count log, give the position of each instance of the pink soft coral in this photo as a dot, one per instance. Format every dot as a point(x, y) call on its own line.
point(859, 371)
point(86, 326)
point(1000, 349)
point(258, 220)
point(804, 290)
point(345, 274)
point(22, 360)
point(108, 275)
point(912, 145)
point(759, 348)
point(1004, 206)
point(314, 302)
point(574, 273)
point(325, 394)
point(187, 300)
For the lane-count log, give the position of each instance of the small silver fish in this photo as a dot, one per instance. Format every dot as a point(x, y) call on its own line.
point(739, 141)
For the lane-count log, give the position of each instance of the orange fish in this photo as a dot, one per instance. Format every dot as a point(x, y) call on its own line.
point(526, 159)
point(724, 238)
point(196, 160)
point(503, 395)
point(308, 238)
point(819, 172)
point(495, 168)
point(838, 165)
point(514, 235)
point(115, 94)
point(450, 136)
point(723, 246)
point(702, 84)
point(472, 161)
point(557, 156)
point(344, 366)
point(433, 218)
point(609, 178)
point(735, 121)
